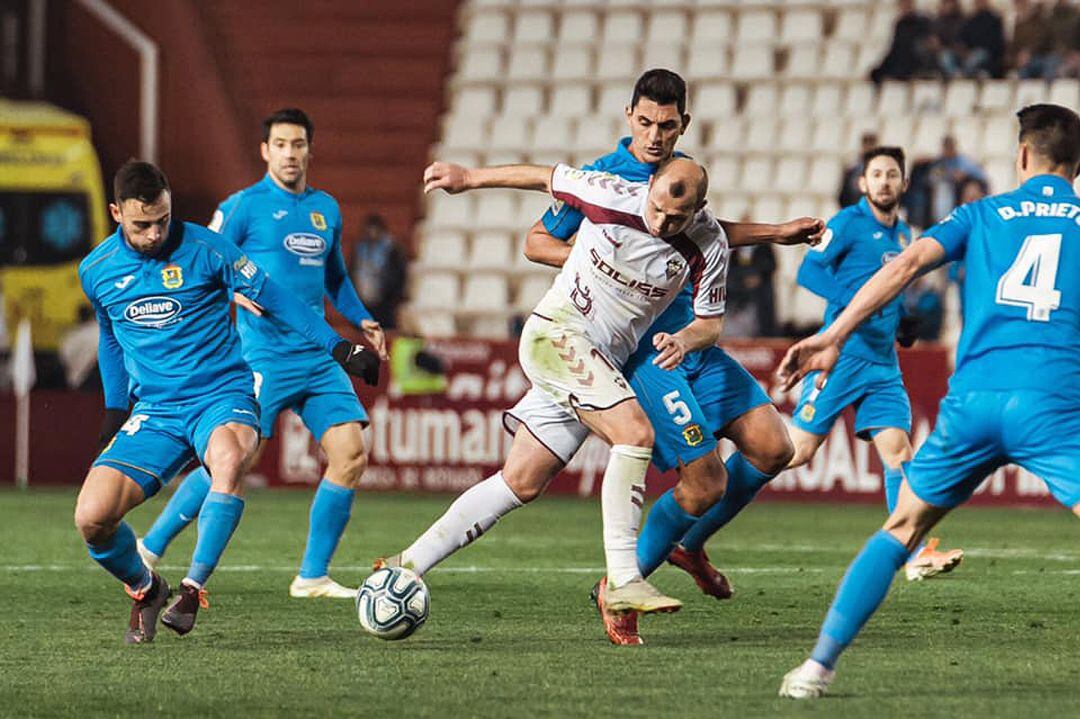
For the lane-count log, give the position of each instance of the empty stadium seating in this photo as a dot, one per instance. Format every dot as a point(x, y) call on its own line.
point(778, 97)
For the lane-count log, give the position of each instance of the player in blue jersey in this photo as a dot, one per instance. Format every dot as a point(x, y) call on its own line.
point(859, 240)
point(293, 232)
point(710, 395)
point(161, 291)
point(1015, 394)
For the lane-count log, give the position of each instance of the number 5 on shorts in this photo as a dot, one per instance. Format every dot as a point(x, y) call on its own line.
point(679, 410)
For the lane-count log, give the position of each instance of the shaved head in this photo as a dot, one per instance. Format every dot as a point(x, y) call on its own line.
point(676, 192)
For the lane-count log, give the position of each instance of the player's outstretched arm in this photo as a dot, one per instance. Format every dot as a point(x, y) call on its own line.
point(820, 352)
point(544, 248)
point(822, 281)
point(456, 178)
point(803, 230)
point(701, 333)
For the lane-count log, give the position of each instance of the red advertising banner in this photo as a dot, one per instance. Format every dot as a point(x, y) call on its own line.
point(448, 442)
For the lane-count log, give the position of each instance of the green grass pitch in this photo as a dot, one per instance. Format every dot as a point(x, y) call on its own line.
point(511, 632)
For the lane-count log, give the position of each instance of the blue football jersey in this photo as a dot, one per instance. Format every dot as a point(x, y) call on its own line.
point(296, 239)
point(854, 247)
point(562, 221)
point(169, 315)
point(1021, 254)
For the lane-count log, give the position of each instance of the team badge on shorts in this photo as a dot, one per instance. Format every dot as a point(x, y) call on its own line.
point(693, 435)
point(807, 413)
point(172, 277)
point(318, 221)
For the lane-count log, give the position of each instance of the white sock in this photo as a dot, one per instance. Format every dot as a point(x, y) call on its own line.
point(471, 514)
point(621, 497)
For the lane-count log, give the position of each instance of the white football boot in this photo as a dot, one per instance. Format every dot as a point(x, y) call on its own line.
point(319, 587)
point(809, 680)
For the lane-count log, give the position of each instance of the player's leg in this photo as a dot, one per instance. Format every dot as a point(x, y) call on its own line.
point(530, 466)
point(894, 447)
point(818, 409)
point(963, 448)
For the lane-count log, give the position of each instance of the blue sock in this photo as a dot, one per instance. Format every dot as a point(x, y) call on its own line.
point(666, 523)
point(330, 511)
point(744, 482)
point(217, 521)
point(181, 511)
point(894, 477)
point(120, 558)
point(861, 592)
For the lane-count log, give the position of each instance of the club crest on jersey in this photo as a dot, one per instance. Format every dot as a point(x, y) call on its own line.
point(172, 277)
point(674, 267)
point(807, 413)
point(693, 435)
point(318, 221)
point(156, 311)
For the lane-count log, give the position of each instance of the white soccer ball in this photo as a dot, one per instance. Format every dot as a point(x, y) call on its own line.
point(392, 603)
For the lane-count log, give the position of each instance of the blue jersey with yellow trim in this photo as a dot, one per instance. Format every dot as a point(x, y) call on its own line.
point(1021, 254)
point(296, 239)
point(856, 246)
point(562, 221)
point(169, 315)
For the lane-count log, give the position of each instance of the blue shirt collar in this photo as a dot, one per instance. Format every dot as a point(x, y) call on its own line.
point(1060, 187)
point(275, 187)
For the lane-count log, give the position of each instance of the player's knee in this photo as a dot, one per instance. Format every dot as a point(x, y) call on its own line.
point(772, 454)
point(526, 486)
point(350, 468)
point(93, 521)
point(893, 457)
point(702, 484)
point(638, 433)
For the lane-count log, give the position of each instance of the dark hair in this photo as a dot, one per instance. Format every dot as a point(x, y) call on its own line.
point(1053, 132)
point(137, 180)
point(289, 116)
point(662, 87)
point(896, 153)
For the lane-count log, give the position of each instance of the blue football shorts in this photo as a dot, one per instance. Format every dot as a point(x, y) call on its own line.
point(320, 392)
point(875, 390)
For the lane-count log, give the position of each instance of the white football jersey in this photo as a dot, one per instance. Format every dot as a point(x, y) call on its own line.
point(618, 277)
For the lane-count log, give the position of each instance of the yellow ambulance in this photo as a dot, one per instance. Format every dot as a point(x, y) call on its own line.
point(52, 212)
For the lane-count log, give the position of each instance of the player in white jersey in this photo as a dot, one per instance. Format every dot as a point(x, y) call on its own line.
point(639, 245)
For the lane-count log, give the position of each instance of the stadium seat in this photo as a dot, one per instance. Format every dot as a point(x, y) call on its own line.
point(490, 327)
point(828, 100)
point(714, 100)
point(1002, 174)
point(882, 20)
point(839, 60)
point(825, 175)
point(898, 130)
point(761, 101)
point(523, 100)
point(795, 99)
point(485, 292)
point(464, 132)
point(527, 62)
point(803, 207)
point(801, 25)
point(996, 96)
point(733, 207)
point(578, 26)
point(616, 62)
point(434, 290)
point(790, 175)
point(828, 135)
point(752, 62)
point(705, 62)
point(665, 27)
point(756, 175)
point(859, 99)
point(474, 101)
point(597, 133)
point(805, 308)
point(531, 207)
point(999, 137)
point(551, 132)
point(960, 98)
point(727, 134)
point(756, 26)
point(795, 132)
point(504, 157)
point(927, 96)
point(711, 28)
point(571, 100)
point(614, 97)
point(551, 157)
point(869, 56)
point(508, 133)
point(1065, 92)
point(445, 211)
point(622, 26)
point(533, 26)
point(1031, 92)
point(894, 98)
point(928, 134)
point(531, 291)
point(723, 173)
point(768, 209)
point(761, 135)
point(483, 63)
point(442, 248)
point(490, 250)
point(435, 324)
point(968, 131)
point(850, 25)
point(494, 210)
point(487, 27)
point(571, 63)
point(804, 61)
point(668, 56)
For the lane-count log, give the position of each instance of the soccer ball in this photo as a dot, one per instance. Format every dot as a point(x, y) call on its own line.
point(392, 603)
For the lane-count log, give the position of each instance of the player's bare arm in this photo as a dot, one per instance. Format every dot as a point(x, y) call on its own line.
point(701, 333)
point(544, 248)
point(820, 352)
point(803, 230)
point(455, 178)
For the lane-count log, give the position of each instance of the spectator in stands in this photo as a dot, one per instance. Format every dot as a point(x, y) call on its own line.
point(1065, 27)
point(950, 172)
point(982, 43)
point(909, 54)
point(945, 36)
point(379, 266)
point(1032, 52)
point(849, 185)
point(924, 303)
point(971, 191)
point(751, 303)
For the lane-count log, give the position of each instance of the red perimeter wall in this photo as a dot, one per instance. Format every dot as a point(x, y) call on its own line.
point(445, 443)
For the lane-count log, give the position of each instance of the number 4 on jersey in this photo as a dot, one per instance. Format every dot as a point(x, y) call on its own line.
point(1030, 281)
